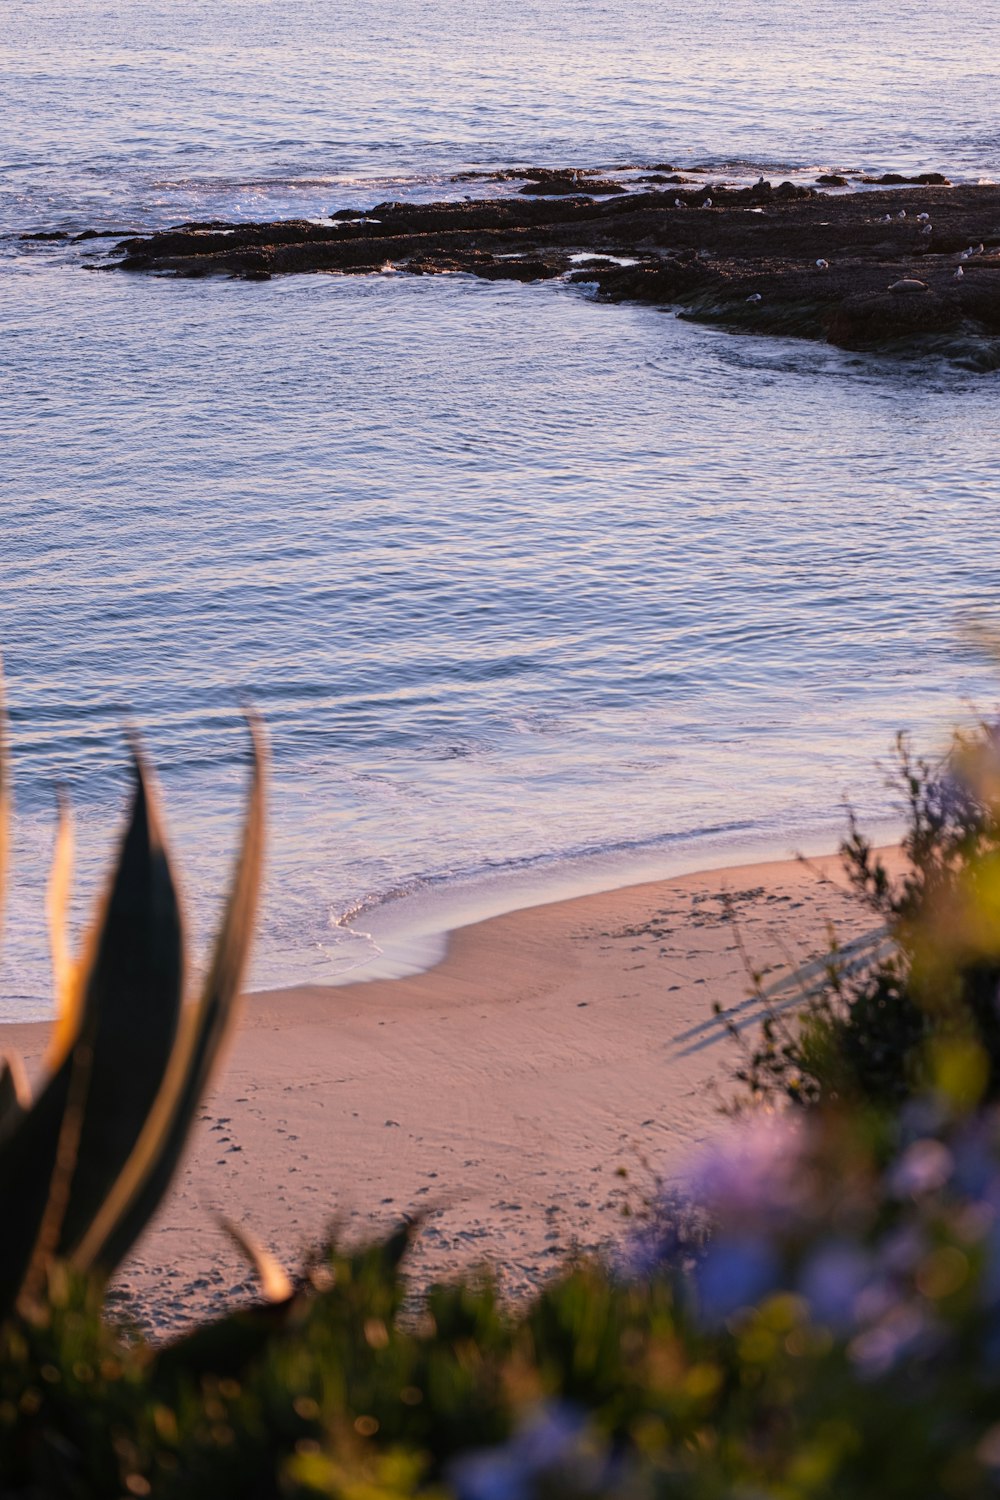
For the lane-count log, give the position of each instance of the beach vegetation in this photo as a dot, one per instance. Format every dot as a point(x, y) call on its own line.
point(840, 1336)
point(817, 1314)
point(87, 1155)
point(921, 1014)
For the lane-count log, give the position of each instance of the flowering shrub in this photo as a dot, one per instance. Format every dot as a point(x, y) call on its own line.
point(839, 1335)
point(819, 1315)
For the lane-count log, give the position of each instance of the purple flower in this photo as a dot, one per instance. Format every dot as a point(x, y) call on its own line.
point(977, 1171)
point(902, 1250)
point(553, 1443)
point(670, 1238)
point(755, 1177)
point(990, 1282)
point(877, 1349)
point(922, 1168)
point(735, 1273)
point(832, 1281)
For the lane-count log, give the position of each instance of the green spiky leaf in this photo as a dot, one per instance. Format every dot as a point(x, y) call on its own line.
point(205, 1028)
point(62, 1156)
point(135, 986)
point(15, 1096)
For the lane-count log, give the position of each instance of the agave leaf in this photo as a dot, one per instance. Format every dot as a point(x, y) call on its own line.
point(69, 993)
point(59, 1161)
point(27, 1160)
point(204, 1029)
point(134, 984)
point(275, 1283)
point(226, 1346)
point(15, 1095)
point(80, 1066)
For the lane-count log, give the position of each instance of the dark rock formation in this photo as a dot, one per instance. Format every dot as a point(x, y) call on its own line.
point(893, 179)
point(558, 184)
point(784, 260)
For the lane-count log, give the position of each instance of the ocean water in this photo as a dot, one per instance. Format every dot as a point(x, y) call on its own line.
point(533, 593)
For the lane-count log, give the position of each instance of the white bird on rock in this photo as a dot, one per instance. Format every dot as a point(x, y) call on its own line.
point(901, 214)
point(927, 229)
point(678, 203)
point(822, 265)
point(922, 218)
point(958, 274)
point(706, 203)
point(754, 297)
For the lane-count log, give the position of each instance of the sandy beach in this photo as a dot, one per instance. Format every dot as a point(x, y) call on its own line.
point(504, 1093)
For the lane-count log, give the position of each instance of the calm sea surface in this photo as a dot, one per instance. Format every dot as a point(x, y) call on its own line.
point(532, 592)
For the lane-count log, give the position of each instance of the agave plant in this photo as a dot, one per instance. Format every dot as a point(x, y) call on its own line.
point(86, 1159)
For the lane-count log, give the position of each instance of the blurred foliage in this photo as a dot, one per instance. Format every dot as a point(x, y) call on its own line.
point(924, 1016)
point(820, 1318)
point(839, 1337)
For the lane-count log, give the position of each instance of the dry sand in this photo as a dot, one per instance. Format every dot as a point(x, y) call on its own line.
point(503, 1092)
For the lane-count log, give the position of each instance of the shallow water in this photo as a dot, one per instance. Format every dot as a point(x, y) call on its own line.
point(515, 578)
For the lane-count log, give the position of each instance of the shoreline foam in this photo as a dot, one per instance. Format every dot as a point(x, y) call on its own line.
point(411, 931)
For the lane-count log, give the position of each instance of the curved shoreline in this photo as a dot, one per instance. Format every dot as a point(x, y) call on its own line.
point(503, 1091)
point(877, 269)
point(412, 932)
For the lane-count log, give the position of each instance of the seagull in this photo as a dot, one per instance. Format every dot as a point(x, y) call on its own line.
point(822, 265)
point(901, 214)
point(706, 203)
point(927, 229)
point(922, 218)
point(964, 254)
point(754, 297)
point(678, 203)
point(958, 274)
point(980, 248)
point(887, 218)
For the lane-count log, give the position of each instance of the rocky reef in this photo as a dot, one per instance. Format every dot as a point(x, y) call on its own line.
point(913, 266)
